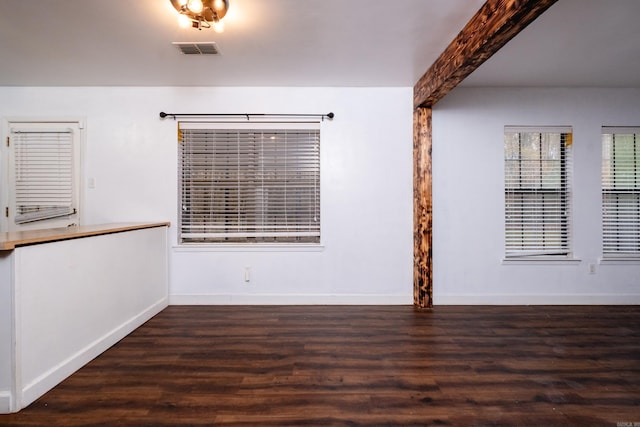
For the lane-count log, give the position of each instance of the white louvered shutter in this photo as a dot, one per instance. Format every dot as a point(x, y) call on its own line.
point(254, 182)
point(43, 174)
point(537, 191)
point(620, 192)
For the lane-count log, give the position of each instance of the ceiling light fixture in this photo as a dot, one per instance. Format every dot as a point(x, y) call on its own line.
point(201, 13)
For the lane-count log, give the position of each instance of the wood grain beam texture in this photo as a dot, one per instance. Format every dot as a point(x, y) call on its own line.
point(422, 209)
point(497, 22)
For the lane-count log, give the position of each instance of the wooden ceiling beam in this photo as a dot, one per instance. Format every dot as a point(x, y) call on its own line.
point(497, 22)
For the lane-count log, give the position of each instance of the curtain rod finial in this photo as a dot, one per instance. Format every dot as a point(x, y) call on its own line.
point(331, 115)
point(163, 115)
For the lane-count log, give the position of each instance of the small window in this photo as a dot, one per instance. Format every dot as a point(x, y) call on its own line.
point(620, 192)
point(249, 183)
point(537, 191)
point(44, 175)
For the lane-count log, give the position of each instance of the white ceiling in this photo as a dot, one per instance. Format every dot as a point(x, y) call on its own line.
point(574, 43)
point(306, 43)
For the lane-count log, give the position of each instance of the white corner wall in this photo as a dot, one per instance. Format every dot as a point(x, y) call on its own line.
point(366, 172)
point(468, 198)
point(6, 332)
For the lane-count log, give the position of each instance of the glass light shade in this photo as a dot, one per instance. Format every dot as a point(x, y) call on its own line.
point(218, 5)
point(201, 13)
point(195, 6)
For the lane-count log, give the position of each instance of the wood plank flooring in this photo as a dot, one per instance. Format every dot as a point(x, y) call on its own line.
point(360, 365)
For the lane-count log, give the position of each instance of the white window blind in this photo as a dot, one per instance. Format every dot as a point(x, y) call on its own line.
point(620, 192)
point(252, 182)
point(537, 191)
point(44, 174)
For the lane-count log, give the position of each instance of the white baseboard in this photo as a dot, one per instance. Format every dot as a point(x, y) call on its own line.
point(51, 378)
point(5, 402)
point(367, 299)
point(289, 299)
point(561, 299)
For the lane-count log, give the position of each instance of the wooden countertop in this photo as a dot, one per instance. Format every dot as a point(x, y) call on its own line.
point(9, 241)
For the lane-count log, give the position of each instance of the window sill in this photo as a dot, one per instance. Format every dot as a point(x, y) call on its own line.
point(256, 247)
point(619, 260)
point(549, 260)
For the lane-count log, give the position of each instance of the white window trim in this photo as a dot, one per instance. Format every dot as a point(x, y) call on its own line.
point(614, 257)
point(10, 122)
point(255, 123)
point(248, 247)
point(546, 260)
point(619, 260)
point(528, 258)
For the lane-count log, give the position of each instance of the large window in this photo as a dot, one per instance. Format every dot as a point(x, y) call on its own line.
point(249, 182)
point(44, 175)
point(537, 191)
point(620, 192)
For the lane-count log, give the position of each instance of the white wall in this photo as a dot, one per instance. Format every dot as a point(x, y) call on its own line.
point(366, 186)
point(468, 198)
point(6, 330)
point(76, 298)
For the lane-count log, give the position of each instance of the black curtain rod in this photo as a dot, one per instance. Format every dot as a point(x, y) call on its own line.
point(329, 116)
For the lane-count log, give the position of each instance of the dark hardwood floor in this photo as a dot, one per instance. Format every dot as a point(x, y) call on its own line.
point(360, 365)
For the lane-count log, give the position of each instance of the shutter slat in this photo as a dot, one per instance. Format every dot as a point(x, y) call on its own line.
point(43, 175)
point(249, 184)
point(620, 192)
point(537, 196)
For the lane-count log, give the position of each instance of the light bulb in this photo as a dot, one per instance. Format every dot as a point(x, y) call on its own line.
point(182, 3)
point(195, 6)
point(218, 26)
point(184, 21)
point(218, 5)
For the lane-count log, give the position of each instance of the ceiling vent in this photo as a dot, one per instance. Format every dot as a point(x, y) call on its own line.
point(188, 48)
